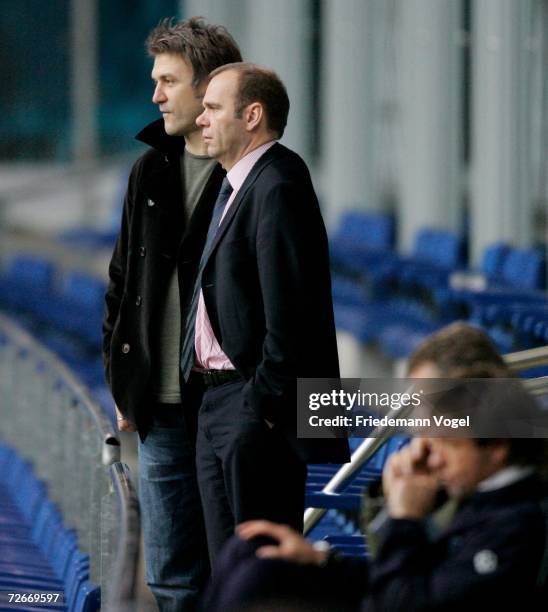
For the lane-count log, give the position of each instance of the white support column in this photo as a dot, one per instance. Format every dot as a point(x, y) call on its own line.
point(279, 38)
point(232, 14)
point(501, 195)
point(430, 104)
point(276, 35)
point(347, 177)
point(84, 79)
point(84, 99)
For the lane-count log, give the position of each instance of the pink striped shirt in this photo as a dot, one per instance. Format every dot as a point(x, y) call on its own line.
point(209, 354)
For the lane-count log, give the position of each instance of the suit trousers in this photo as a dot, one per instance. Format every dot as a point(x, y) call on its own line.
point(246, 469)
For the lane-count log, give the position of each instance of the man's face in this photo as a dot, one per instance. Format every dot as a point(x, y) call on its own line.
point(224, 134)
point(460, 463)
point(177, 100)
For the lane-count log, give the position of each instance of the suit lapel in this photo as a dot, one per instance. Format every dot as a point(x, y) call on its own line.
point(255, 172)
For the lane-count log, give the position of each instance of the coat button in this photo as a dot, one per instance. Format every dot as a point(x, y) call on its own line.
point(142, 251)
point(150, 203)
point(138, 300)
point(125, 348)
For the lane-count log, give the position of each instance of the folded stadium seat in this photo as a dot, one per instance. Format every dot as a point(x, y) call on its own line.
point(26, 285)
point(37, 551)
point(436, 254)
point(353, 545)
point(524, 269)
point(77, 307)
point(412, 311)
point(510, 306)
point(489, 273)
point(517, 325)
point(520, 279)
point(363, 237)
point(343, 507)
point(493, 260)
point(361, 252)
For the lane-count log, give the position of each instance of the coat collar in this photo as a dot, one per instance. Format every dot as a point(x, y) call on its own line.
point(163, 184)
point(155, 136)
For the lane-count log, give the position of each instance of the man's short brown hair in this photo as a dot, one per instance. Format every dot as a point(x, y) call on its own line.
point(455, 347)
point(205, 46)
point(463, 351)
point(258, 84)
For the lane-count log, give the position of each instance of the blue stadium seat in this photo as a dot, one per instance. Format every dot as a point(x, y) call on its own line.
point(38, 552)
point(344, 506)
point(26, 283)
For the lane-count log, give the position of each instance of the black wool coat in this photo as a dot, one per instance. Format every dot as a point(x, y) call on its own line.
point(153, 239)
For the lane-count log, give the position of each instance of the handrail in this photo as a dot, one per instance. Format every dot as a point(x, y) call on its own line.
point(123, 583)
point(530, 358)
point(536, 386)
point(50, 418)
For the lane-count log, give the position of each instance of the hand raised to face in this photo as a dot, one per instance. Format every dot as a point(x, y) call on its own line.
point(410, 486)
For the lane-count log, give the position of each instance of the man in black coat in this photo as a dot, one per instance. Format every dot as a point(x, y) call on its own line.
point(262, 313)
point(167, 210)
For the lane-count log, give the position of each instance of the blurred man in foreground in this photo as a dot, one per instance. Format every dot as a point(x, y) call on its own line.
point(487, 554)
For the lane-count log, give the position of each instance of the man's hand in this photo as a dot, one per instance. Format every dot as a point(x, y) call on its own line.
point(291, 546)
point(123, 423)
point(409, 485)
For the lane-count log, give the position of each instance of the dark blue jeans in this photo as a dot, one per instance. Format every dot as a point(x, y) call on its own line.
point(176, 556)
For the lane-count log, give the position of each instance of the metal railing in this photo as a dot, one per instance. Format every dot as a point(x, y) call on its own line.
point(49, 417)
point(121, 519)
point(517, 362)
point(524, 360)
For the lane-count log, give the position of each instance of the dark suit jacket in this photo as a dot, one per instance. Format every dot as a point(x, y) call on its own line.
point(267, 290)
point(488, 558)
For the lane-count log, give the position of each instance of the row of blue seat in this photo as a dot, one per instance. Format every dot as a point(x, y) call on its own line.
point(71, 301)
point(38, 553)
point(341, 526)
point(395, 300)
point(64, 310)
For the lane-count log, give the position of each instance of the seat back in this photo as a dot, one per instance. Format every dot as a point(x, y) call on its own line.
point(440, 247)
point(373, 230)
point(524, 269)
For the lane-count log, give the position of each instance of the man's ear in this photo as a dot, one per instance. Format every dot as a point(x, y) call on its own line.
point(253, 116)
point(500, 452)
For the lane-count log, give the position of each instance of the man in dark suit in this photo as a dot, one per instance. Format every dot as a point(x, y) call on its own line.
point(261, 315)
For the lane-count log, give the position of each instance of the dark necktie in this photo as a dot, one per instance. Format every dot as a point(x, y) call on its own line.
point(187, 351)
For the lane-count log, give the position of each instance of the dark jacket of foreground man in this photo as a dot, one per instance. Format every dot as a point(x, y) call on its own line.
point(489, 558)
